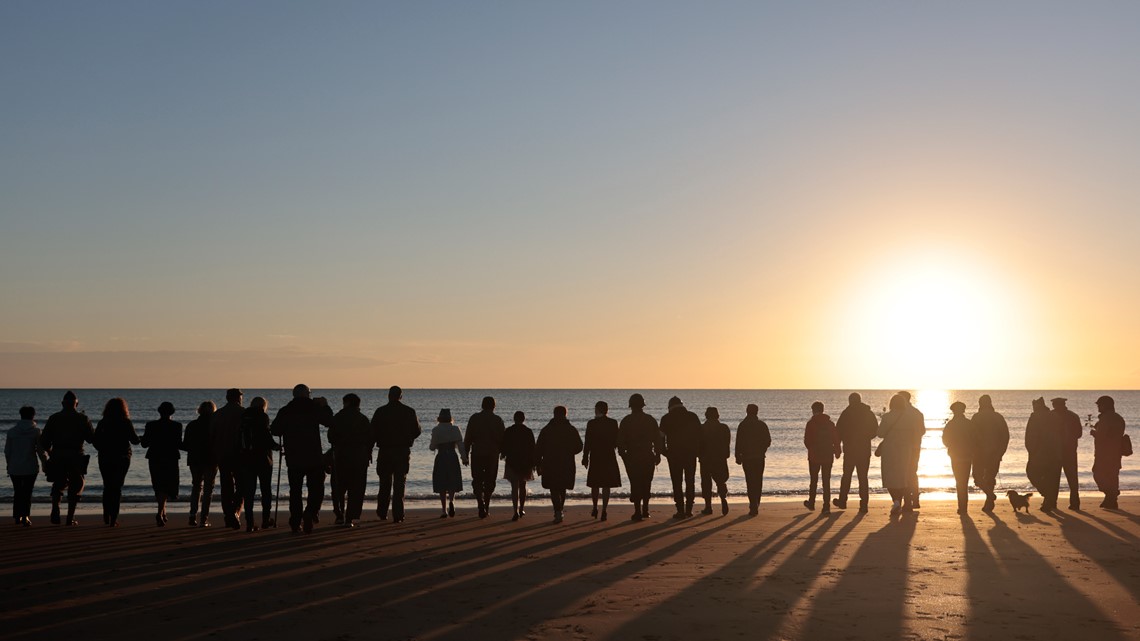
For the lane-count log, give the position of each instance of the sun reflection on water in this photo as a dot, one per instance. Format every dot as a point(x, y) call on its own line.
point(934, 463)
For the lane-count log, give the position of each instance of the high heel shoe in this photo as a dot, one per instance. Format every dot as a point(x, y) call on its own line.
point(158, 520)
point(594, 513)
point(603, 516)
point(451, 509)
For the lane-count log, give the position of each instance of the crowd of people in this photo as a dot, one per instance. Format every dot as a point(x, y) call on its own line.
point(234, 446)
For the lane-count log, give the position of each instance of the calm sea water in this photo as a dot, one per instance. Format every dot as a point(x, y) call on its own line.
point(785, 411)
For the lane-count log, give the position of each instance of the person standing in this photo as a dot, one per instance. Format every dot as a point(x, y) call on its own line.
point(1043, 442)
point(599, 457)
point(554, 451)
point(163, 442)
point(517, 452)
point(62, 439)
point(255, 462)
point(22, 455)
point(993, 440)
point(857, 426)
point(446, 477)
point(901, 429)
point(752, 442)
point(640, 446)
point(224, 428)
point(822, 442)
point(682, 431)
point(716, 445)
point(396, 429)
point(203, 469)
point(918, 423)
point(299, 426)
point(114, 436)
point(352, 439)
point(961, 440)
point(1071, 432)
point(1108, 441)
point(481, 445)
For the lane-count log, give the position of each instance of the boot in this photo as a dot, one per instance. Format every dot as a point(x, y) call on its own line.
point(680, 511)
point(55, 510)
point(708, 508)
point(724, 505)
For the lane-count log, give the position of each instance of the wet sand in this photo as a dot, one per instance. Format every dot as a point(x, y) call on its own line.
point(787, 574)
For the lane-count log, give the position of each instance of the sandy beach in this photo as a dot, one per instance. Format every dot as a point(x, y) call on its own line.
point(787, 574)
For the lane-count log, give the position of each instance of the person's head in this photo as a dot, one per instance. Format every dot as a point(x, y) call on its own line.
point(675, 402)
point(817, 408)
point(1039, 404)
point(905, 396)
point(27, 412)
point(520, 417)
point(207, 408)
point(958, 408)
point(166, 409)
point(395, 393)
point(854, 398)
point(636, 402)
point(259, 404)
point(351, 401)
point(601, 408)
point(712, 414)
point(70, 400)
point(559, 411)
point(301, 391)
point(116, 408)
point(444, 415)
point(752, 410)
point(985, 402)
point(1058, 403)
point(234, 395)
point(1106, 404)
point(897, 402)
point(488, 403)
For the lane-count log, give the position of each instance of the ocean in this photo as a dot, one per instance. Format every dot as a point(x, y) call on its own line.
point(785, 411)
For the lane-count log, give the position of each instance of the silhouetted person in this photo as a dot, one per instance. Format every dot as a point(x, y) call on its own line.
point(640, 445)
point(23, 456)
point(62, 439)
point(114, 436)
point(517, 452)
point(1108, 440)
point(993, 439)
point(682, 431)
point(822, 442)
point(1071, 432)
point(599, 457)
point(960, 436)
point(481, 444)
point(901, 430)
point(352, 438)
point(554, 451)
point(446, 477)
point(163, 442)
point(337, 493)
point(203, 469)
point(752, 442)
point(396, 428)
point(299, 426)
point(1043, 442)
point(224, 427)
point(255, 462)
point(716, 446)
point(913, 488)
point(857, 426)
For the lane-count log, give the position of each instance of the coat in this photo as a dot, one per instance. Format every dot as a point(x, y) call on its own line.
point(1071, 429)
point(518, 449)
point(65, 433)
point(196, 442)
point(639, 439)
point(22, 449)
point(554, 451)
point(299, 426)
point(600, 449)
point(857, 426)
point(822, 439)
point(224, 428)
point(395, 426)
point(960, 436)
point(352, 437)
point(901, 431)
point(162, 440)
point(716, 446)
point(1108, 441)
point(255, 442)
point(682, 431)
point(484, 434)
point(114, 437)
point(992, 433)
point(752, 439)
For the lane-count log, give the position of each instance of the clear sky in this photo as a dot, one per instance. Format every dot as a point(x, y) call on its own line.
point(588, 194)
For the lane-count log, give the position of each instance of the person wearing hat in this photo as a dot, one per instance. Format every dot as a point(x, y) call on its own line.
point(993, 439)
point(163, 442)
point(716, 444)
point(753, 438)
point(961, 440)
point(1108, 439)
point(446, 479)
point(682, 431)
point(1071, 432)
point(298, 424)
point(352, 440)
point(640, 445)
point(62, 439)
point(114, 436)
point(1043, 444)
point(224, 428)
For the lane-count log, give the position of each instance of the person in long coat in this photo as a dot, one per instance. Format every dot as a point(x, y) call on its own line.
point(716, 445)
point(203, 469)
point(900, 428)
point(163, 442)
point(554, 451)
point(517, 452)
point(993, 440)
point(446, 478)
point(114, 436)
point(753, 438)
point(599, 457)
point(960, 436)
point(1108, 440)
point(1043, 442)
point(640, 445)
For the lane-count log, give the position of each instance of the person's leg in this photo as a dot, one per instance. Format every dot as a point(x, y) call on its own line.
point(490, 480)
point(605, 500)
point(296, 497)
point(22, 496)
point(443, 502)
point(594, 500)
point(316, 486)
point(845, 479)
point(677, 476)
point(690, 484)
point(399, 483)
point(209, 472)
point(247, 488)
point(1070, 467)
point(113, 480)
point(825, 481)
point(961, 470)
point(862, 465)
point(706, 488)
point(384, 491)
point(58, 487)
point(359, 479)
point(75, 486)
point(195, 492)
point(813, 472)
point(105, 472)
point(522, 497)
point(265, 479)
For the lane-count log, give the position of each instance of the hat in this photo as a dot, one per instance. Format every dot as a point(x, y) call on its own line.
point(1058, 400)
point(957, 406)
point(444, 415)
point(637, 400)
point(1106, 401)
point(675, 401)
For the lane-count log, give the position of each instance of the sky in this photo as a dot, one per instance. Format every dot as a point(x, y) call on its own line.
point(516, 194)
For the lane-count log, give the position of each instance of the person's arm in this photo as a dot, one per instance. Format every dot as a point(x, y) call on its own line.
point(808, 435)
point(741, 441)
point(725, 441)
point(578, 445)
point(586, 448)
point(765, 437)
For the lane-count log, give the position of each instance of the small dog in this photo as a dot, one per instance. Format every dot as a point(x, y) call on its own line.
point(1019, 501)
